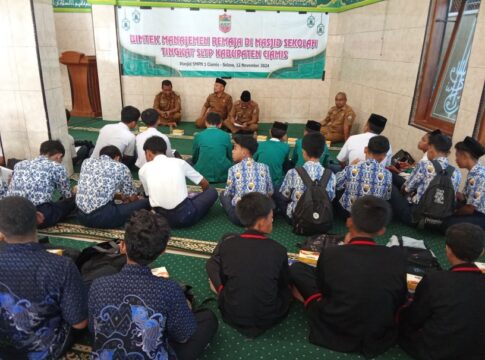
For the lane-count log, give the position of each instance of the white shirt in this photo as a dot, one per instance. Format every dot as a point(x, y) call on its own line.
point(354, 149)
point(118, 135)
point(163, 180)
point(140, 141)
point(425, 157)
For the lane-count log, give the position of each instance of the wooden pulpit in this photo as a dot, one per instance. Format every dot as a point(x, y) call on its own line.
point(83, 77)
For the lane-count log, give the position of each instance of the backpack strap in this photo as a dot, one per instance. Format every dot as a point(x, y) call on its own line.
point(327, 174)
point(307, 180)
point(437, 166)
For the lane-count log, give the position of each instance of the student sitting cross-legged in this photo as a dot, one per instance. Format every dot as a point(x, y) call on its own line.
point(37, 179)
point(42, 296)
point(163, 180)
point(292, 187)
point(249, 272)
point(274, 153)
point(211, 151)
point(368, 177)
point(471, 202)
point(137, 315)
point(99, 180)
point(151, 119)
point(244, 177)
point(445, 319)
point(354, 293)
point(120, 135)
point(405, 201)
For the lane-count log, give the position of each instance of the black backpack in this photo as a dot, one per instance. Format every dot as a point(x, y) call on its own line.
point(438, 201)
point(99, 260)
point(318, 243)
point(419, 261)
point(313, 213)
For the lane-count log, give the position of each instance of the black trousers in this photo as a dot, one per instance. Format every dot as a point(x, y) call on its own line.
point(207, 325)
point(55, 211)
point(304, 278)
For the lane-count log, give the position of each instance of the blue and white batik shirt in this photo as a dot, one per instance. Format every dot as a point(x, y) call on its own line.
point(248, 176)
point(99, 181)
point(474, 190)
point(293, 188)
point(37, 179)
point(422, 175)
point(366, 178)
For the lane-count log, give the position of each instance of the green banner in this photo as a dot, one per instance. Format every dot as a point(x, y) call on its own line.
point(273, 5)
point(71, 5)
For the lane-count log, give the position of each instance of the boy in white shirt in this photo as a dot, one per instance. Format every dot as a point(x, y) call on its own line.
point(353, 150)
point(120, 135)
point(151, 119)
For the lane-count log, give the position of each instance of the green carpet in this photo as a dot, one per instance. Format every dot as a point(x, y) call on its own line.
point(287, 340)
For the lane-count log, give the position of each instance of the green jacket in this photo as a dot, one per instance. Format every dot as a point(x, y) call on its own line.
point(275, 154)
point(298, 160)
point(212, 154)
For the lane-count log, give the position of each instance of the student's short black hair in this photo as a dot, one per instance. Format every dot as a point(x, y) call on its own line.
point(252, 207)
point(378, 145)
point(149, 117)
point(314, 144)
point(166, 83)
point(156, 145)
point(247, 142)
point(17, 216)
point(146, 236)
point(466, 241)
point(376, 129)
point(277, 133)
point(213, 118)
point(440, 142)
point(111, 151)
point(52, 147)
point(129, 114)
point(370, 214)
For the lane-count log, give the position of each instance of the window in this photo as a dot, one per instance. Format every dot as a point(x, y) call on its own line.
point(444, 63)
point(479, 132)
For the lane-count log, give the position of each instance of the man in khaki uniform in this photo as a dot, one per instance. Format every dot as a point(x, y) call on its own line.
point(168, 105)
point(218, 102)
point(244, 115)
point(336, 126)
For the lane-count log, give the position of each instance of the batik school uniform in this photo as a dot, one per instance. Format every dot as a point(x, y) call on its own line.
point(274, 153)
point(298, 159)
point(293, 188)
point(445, 319)
point(245, 177)
point(41, 296)
point(474, 192)
point(250, 273)
point(366, 178)
point(3, 189)
point(212, 154)
point(99, 180)
point(353, 295)
point(36, 181)
point(416, 186)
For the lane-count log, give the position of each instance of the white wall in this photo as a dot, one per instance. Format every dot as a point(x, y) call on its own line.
point(74, 33)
